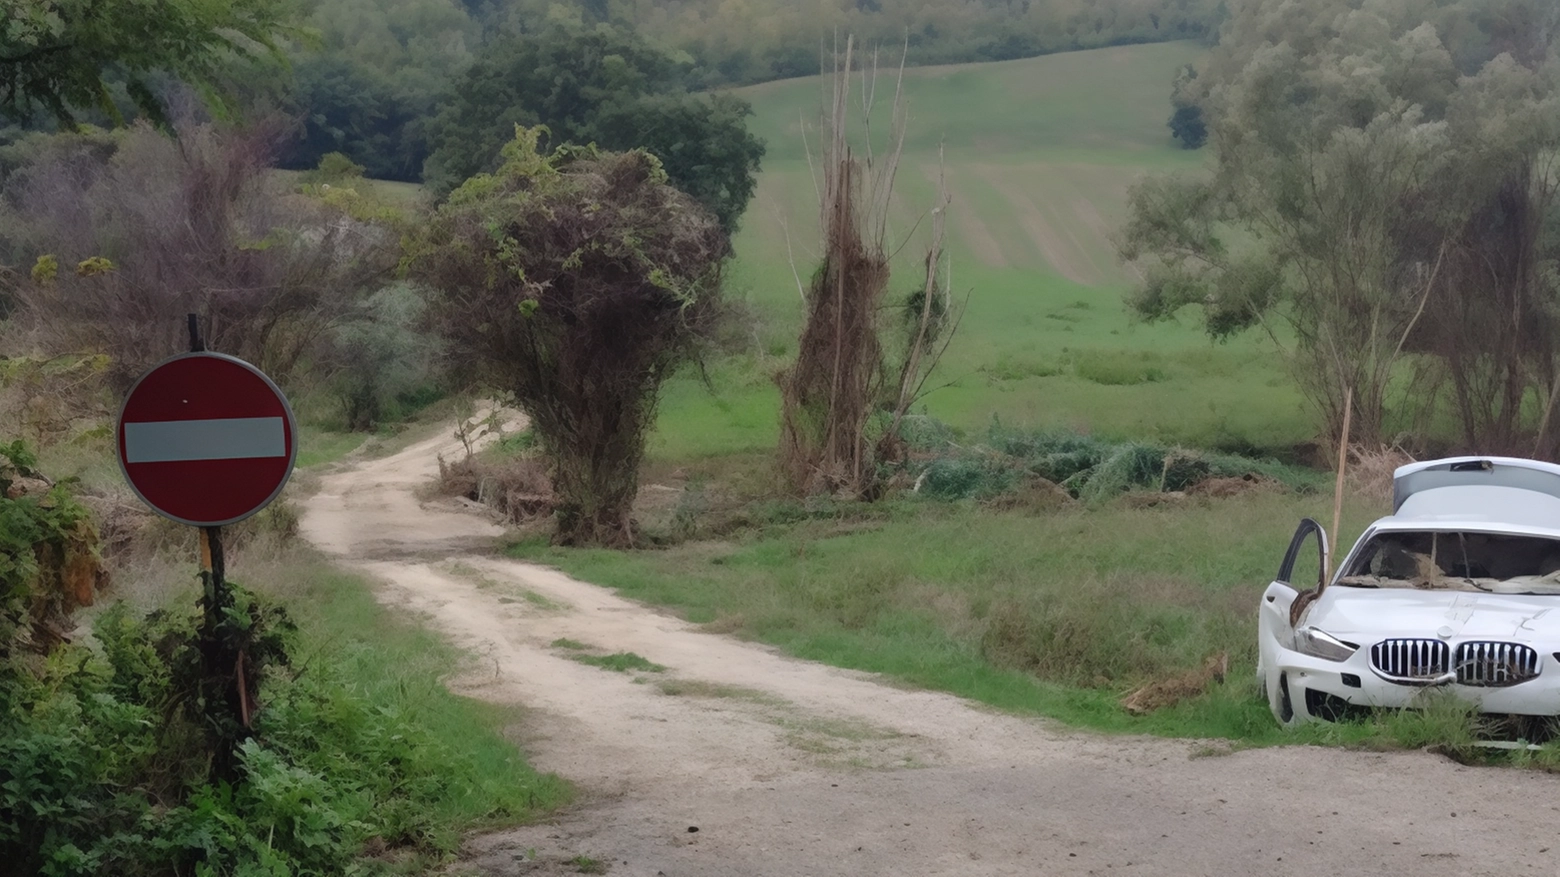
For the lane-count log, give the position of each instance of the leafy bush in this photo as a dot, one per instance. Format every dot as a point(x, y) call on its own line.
point(49, 563)
point(381, 366)
point(334, 168)
point(100, 774)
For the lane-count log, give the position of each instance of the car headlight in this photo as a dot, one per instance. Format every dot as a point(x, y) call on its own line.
point(1310, 641)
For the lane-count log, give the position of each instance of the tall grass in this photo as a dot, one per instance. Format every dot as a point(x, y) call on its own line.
point(1058, 613)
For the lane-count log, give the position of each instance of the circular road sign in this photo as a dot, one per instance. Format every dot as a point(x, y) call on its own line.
point(206, 439)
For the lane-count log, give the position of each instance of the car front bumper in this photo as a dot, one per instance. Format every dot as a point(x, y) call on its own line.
point(1331, 690)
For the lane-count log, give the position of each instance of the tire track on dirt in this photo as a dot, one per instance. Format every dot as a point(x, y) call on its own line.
point(788, 767)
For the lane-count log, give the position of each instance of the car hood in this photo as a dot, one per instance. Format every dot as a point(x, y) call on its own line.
point(1365, 615)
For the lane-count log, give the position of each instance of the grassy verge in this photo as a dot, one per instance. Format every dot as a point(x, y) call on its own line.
point(318, 446)
point(1057, 614)
point(403, 668)
point(367, 695)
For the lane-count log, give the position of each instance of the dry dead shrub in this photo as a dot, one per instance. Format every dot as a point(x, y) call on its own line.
point(51, 398)
point(119, 247)
point(1224, 488)
point(1034, 496)
point(517, 489)
point(125, 526)
point(841, 376)
point(1370, 469)
point(1185, 686)
point(1149, 499)
point(132, 535)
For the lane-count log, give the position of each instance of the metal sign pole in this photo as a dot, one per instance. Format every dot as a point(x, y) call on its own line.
point(217, 598)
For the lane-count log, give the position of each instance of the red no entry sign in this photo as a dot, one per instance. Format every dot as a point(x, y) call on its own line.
point(206, 439)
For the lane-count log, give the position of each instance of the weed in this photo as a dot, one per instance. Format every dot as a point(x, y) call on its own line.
point(1010, 368)
point(1118, 368)
point(540, 601)
point(587, 865)
point(566, 643)
point(516, 444)
point(700, 688)
point(620, 662)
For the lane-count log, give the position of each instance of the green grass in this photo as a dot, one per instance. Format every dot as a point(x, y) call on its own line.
point(620, 662)
point(318, 446)
point(400, 666)
point(391, 663)
point(587, 865)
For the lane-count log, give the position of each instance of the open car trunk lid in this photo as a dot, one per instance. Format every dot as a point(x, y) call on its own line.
point(1510, 472)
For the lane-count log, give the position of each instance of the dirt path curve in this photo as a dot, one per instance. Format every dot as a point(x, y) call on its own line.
point(793, 768)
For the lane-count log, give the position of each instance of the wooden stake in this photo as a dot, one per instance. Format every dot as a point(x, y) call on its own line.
point(1343, 461)
point(205, 551)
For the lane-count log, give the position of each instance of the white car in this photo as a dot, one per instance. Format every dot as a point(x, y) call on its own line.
point(1459, 590)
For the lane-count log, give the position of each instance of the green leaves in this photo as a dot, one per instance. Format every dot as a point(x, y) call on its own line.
point(48, 555)
point(53, 53)
point(578, 87)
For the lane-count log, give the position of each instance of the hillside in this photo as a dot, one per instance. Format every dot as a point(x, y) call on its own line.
point(1039, 155)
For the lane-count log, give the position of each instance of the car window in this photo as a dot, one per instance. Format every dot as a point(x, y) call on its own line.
point(1458, 561)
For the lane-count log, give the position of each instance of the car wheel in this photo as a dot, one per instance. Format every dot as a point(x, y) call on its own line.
point(1285, 710)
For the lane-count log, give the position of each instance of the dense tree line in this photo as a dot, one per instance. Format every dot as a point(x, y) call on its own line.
point(379, 85)
point(396, 84)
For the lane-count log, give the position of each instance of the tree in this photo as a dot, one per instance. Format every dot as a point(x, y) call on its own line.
point(1492, 332)
point(54, 53)
point(375, 80)
point(1187, 126)
point(597, 85)
point(1186, 123)
point(578, 281)
point(1381, 188)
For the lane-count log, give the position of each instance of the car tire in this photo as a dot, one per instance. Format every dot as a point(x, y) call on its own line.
point(1284, 709)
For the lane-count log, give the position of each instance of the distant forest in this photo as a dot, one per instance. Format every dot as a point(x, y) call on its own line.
point(390, 83)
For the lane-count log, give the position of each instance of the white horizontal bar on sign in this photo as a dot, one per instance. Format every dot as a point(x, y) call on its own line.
point(233, 438)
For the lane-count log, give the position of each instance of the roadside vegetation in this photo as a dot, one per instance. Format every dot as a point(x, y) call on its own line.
point(358, 760)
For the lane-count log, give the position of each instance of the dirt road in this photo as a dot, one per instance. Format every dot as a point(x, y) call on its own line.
point(736, 760)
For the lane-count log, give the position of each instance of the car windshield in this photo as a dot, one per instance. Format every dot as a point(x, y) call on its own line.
point(1494, 563)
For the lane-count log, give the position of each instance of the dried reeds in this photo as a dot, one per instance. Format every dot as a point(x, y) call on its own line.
point(839, 378)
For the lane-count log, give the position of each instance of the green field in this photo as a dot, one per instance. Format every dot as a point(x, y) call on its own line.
point(1039, 155)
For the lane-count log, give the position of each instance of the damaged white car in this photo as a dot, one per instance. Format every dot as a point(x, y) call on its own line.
point(1458, 590)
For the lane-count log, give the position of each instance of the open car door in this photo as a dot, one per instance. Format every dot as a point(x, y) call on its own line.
point(1282, 606)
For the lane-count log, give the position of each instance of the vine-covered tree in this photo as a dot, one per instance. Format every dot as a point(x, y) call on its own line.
point(54, 53)
point(578, 281)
